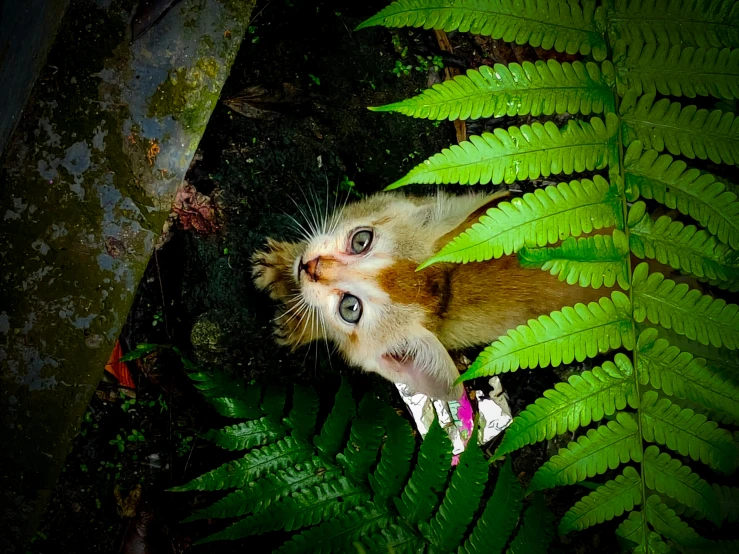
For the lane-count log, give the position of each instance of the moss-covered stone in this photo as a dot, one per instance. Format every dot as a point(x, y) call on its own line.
point(105, 140)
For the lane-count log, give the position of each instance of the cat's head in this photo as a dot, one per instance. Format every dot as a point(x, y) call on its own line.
point(354, 283)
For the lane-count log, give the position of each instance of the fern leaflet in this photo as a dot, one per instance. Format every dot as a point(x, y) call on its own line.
point(247, 434)
point(674, 70)
point(534, 89)
point(585, 398)
point(592, 454)
point(686, 432)
point(696, 194)
point(684, 310)
point(272, 457)
point(333, 433)
point(499, 518)
point(535, 219)
point(682, 247)
point(537, 529)
point(395, 458)
point(550, 24)
point(595, 261)
point(668, 476)
point(608, 501)
point(706, 24)
point(688, 131)
point(679, 374)
point(419, 497)
point(574, 333)
point(462, 497)
point(519, 153)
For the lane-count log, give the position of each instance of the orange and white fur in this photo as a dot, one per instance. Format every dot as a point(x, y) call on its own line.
point(354, 282)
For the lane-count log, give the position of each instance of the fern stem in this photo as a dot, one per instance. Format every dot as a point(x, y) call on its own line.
point(630, 292)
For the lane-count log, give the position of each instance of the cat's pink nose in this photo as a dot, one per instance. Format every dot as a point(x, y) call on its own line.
point(312, 268)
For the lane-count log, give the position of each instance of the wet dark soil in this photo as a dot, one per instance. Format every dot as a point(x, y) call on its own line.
point(303, 79)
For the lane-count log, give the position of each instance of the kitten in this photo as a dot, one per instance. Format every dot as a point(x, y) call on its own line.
point(354, 282)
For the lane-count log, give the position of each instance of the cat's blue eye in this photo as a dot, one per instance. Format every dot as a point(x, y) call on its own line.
point(361, 241)
point(350, 308)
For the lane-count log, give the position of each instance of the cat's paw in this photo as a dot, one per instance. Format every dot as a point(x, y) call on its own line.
point(272, 269)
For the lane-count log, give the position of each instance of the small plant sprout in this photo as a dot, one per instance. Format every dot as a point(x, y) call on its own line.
point(314, 79)
point(119, 442)
point(158, 318)
point(136, 436)
point(401, 69)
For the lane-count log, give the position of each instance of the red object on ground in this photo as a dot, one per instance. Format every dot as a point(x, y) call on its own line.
point(119, 369)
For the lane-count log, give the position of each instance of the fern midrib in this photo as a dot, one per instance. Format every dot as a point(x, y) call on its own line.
point(490, 159)
point(671, 188)
point(489, 91)
point(510, 229)
point(491, 13)
point(621, 169)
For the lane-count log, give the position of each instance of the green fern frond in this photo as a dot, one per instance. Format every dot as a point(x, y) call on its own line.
point(601, 449)
point(340, 533)
point(395, 458)
point(535, 219)
point(247, 434)
point(585, 398)
point(682, 247)
point(706, 24)
point(668, 524)
point(394, 538)
point(686, 131)
point(555, 24)
point(419, 497)
point(696, 194)
point(229, 397)
point(462, 497)
point(594, 261)
point(498, 520)
point(537, 529)
point(333, 432)
point(259, 495)
point(729, 502)
point(526, 89)
point(303, 508)
point(678, 373)
point(668, 476)
point(684, 310)
point(574, 333)
point(690, 434)
point(676, 70)
point(365, 439)
point(302, 416)
point(279, 455)
point(520, 153)
point(608, 501)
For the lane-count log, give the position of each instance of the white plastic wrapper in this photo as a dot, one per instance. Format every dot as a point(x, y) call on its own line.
point(456, 418)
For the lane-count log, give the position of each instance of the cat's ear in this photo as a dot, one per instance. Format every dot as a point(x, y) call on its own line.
point(422, 363)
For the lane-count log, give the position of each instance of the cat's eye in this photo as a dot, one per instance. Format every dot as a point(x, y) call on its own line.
point(350, 308)
point(361, 240)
